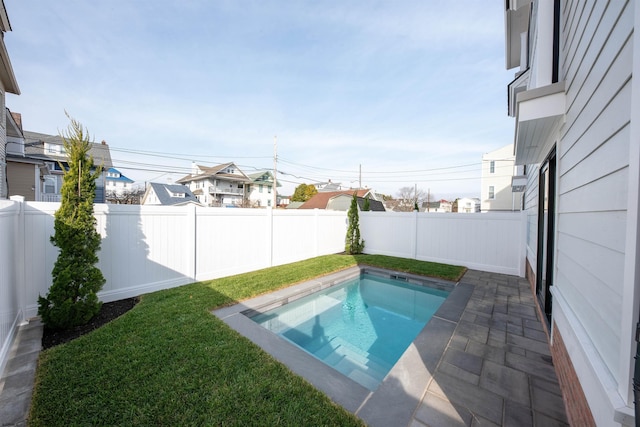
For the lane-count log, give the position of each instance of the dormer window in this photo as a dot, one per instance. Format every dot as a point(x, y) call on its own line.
point(55, 149)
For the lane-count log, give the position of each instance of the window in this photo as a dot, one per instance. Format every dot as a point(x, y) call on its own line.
point(260, 187)
point(50, 185)
point(492, 192)
point(53, 148)
point(492, 166)
point(269, 189)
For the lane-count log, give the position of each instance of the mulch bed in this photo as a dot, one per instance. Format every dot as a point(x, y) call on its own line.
point(108, 312)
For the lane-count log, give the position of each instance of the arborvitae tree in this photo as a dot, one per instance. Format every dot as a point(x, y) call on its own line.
point(354, 245)
point(72, 298)
point(367, 204)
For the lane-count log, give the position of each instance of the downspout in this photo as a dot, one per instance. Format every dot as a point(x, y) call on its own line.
point(636, 377)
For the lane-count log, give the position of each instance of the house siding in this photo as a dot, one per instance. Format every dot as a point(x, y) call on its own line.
point(3, 145)
point(593, 160)
point(22, 177)
point(531, 208)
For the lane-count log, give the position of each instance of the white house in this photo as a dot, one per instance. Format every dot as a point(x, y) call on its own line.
point(441, 206)
point(468, 205)
point(8, 84)
point(498, 171)
point(168, 195)
point(576, 103)
point(117, 183)
point(260, 191)
point(221, 185)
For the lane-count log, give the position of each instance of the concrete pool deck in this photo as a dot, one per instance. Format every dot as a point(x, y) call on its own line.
point(488, 365)
point(483, 359)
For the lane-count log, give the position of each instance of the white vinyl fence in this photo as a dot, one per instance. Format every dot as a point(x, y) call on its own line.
point(493, 241)
point(148, 248)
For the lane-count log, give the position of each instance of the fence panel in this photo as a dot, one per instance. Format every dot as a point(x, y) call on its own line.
point(306, 233)
point(10, 310)
point(490, 241)
point(231, 241)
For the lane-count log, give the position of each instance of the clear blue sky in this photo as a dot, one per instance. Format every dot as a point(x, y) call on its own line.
point(409, 90)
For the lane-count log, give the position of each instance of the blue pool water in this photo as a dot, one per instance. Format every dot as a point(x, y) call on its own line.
point(361, 327)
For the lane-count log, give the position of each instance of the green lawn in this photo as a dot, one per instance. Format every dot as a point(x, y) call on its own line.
point(169, 361)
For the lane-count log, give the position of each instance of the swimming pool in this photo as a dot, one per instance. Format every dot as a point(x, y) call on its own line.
point(360, 327)
point(395, 399)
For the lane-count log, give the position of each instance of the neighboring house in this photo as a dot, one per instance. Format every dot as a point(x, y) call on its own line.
point(221, 185)
point(25, 176)
point(117, 183)
point(294, 205)
point(442, 206)
point(323, 200)
point(466, 205)
point(8, 84)
point(50, 150)
point(260, 191)
point(575, 99)
point(168, 195)
point(342, 202)
point(327, 186)
point(498, 172)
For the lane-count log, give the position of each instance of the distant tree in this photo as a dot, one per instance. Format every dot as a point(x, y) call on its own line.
point(367, 204)
point(72, 298)
point(353, 244)
point(408, 198)
point(304, 192)
point(126, 197)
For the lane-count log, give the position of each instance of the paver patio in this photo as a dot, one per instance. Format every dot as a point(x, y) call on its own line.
point(495, 367)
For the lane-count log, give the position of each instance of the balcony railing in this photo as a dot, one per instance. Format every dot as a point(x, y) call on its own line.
point(50, 198)
point(225, 190)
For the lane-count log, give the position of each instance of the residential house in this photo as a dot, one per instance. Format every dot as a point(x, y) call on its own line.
point(498, 172)
point(168, 195)
point(25, 175)
point(441, 206)
point(576, 103)
point(466, 205)
point(117, 183)
point(341, 200)
point(8, 84)
point(260, 191)
point(325, 187)
point(221, 185)
point(50, 150)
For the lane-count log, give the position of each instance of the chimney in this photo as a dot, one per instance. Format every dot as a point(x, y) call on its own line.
point(17, 117)
point(104, 142)
point(194, 168)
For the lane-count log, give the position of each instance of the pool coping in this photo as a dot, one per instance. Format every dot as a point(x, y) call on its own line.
point(397, 397)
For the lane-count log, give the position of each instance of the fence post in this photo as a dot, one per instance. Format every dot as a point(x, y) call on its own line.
point(522, 262)
point(414, 243)
point(270, 234)
point(192, 249)
point(19, 260)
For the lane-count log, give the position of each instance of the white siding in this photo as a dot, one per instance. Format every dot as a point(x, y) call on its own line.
point(592, 169)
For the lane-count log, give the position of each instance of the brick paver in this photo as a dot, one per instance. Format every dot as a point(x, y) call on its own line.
point(497, 368)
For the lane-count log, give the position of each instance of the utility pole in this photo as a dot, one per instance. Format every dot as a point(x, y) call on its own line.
point(428, 198)
point(275, 171)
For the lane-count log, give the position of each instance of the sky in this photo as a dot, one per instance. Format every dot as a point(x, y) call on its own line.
point(374, 93)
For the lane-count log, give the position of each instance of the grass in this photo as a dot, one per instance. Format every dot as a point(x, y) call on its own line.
point(168, 361)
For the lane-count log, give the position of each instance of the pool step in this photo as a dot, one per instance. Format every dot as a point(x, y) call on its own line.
point(353, 362)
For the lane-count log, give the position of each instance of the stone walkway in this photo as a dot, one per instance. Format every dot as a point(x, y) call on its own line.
point(495, 368)
point(16, 382)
